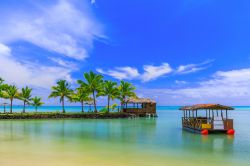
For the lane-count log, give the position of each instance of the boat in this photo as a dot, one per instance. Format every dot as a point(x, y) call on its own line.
point(207, 118)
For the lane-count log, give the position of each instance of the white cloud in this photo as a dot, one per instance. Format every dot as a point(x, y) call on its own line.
point(65, 28)
point(150, 72)
point(153, 72)
point(121, 73)
point(180, 82)
point(192, 68)
point(64, 63)
point(60, 27)
point(32, 74)
point(226, 87)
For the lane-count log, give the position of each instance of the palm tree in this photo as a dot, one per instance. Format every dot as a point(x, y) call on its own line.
point(1, 80)
point(93, 84)
point(25, 96)
point(126, 89)
point(11, 92)
point(62, 90)
point(36, 102)
point(110, 90)
point(81, 95)
point(1, 87)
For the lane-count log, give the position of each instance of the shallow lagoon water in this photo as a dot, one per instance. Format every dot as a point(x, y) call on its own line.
point(141, 141)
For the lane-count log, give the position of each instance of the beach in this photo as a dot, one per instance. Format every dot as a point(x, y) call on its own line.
point(138, 141)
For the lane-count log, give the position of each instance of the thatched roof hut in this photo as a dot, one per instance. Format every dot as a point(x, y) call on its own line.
point(140, 106)
point(207, 107)
point(139, 100)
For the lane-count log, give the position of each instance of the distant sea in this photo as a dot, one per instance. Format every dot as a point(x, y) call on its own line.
point(89, 109)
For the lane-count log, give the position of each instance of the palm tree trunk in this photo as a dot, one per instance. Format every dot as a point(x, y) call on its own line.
point(36, 108)
point(63, 109)
point(82, 106)
point(24, 106)
point(122, 103)
point(11, 100)
point(108, 103)
point(4, 109)
point(94, 101)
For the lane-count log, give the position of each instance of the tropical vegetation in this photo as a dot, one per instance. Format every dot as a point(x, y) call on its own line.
point(25, 96)
point(81, 95)
point(110, 90)
point(93, 83)
point(61, 90)
point(126, 90)
point(88, 90)
point(10, 92)
point(36, 102)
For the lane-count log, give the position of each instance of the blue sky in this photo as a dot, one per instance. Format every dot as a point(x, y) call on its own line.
point(176, 52)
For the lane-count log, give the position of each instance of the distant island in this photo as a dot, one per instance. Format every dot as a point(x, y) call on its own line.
point(89, 89)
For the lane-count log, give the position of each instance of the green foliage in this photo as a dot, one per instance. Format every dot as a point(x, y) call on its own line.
point(1, 87)
point(81, 95)
point(36, 102)
point(126, 89)
point(1, 81)
point(62, 90)
point(25, 96)
point(93, 84)
point(104, 110)
point(113, 107)
point(109, 89)
point(10, 92)
point(58, 115)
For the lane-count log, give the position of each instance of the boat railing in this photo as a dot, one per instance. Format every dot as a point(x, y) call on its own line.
point(204, 123)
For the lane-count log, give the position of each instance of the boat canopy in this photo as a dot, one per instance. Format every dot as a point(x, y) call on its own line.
point(206, 107)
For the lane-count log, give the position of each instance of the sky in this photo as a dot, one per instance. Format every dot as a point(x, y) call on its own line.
point(176, 52)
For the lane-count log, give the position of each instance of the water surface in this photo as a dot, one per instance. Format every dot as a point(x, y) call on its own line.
point(141, 142)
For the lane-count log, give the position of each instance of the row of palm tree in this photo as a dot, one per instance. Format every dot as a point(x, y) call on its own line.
point(11, 92)
point(90, 88)
point(95, 86)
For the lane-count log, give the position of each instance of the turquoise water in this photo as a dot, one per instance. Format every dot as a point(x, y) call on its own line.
point(140, 141)
point(87, 108)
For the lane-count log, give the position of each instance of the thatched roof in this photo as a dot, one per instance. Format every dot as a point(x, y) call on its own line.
point(206, 107)
point(139, 100)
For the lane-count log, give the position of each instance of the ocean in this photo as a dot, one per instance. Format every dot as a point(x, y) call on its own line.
point(140, 141)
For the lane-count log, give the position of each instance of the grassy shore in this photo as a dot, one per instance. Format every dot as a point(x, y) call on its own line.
point(58, 115)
